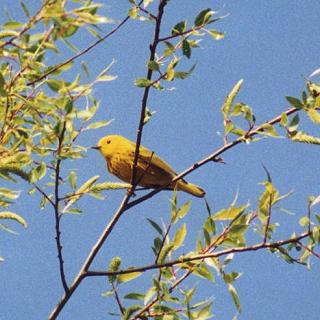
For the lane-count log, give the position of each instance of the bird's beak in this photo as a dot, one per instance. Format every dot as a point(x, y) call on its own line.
point(96, 147)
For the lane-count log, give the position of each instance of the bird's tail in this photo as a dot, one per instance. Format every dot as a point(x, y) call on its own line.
point(190, 188)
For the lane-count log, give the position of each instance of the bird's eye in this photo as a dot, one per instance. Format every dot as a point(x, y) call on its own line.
point(108, 141)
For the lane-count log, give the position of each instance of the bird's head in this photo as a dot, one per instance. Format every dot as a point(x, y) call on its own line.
point(107, 145)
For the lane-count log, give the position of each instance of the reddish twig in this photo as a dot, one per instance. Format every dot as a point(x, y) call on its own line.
point(118, 299)
point(308, 249)
point(44, 194)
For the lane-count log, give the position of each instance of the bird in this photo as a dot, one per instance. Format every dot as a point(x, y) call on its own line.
point(151, 170)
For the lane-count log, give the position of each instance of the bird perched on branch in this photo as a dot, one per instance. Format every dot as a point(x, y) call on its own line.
point(151, 171)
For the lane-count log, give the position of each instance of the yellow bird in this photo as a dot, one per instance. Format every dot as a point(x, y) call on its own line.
point(152, 171)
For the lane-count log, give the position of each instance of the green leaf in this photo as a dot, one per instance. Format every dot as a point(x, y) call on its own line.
point(155, 226)
point(98, 124)
point(314, 115)
point(217, 35)
point(201, 17)
point(204, 272)
point(314, 201)
point(152, 65)
point(126, 277)
point(133, 13)
point(210, 226)
point(10, 194)
point(180, 236)
point(148, 115)
point(228, 258)
point(300, 136)
point(284, 119)
point(186, 49)
point(170, 69)
point(181, 212)
point(130, 311)
point(41, 170)
point(317, 71)
point(269, 130)
point(85, 68)
point(203, 314)
point(84, 189)
point(229, 213)
point(230, 98)
point(13, 216)
point(134, 296)
point(12, 25)
point(296, 103)
point(304, 221)
point(170, 49)
point(235, 296)
point(106, 78)
point(72, 179)
point(147, 2)
point(8, 33)
point(25, 9)
point(294, 123)
point(179, 28)
point(109, 186)
point(316, 234)
point(232, 276)
point(142, 82)
point(149, 294)
point(165, 251)
point(108, 293)
point(54, 84)
point(69, 44)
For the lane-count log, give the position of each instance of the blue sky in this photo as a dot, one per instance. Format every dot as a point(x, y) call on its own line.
point(271, 45)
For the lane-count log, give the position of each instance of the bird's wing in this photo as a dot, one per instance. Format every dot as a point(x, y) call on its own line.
point(151, 159)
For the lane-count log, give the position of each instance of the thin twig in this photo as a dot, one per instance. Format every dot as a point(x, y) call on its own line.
point(308, 249)
point(117, 299)
point(147, 12)
point(180, 34)
point(44, 194)
point(309, 217)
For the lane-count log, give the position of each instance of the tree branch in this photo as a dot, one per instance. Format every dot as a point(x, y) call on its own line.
point(153, 48)
point(95, 249)
point(56, 210)
point(259, 246)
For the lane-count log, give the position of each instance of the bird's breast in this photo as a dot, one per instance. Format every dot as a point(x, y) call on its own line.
point(120, 165)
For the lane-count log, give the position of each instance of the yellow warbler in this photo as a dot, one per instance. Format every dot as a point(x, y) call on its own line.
point(152, 171)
